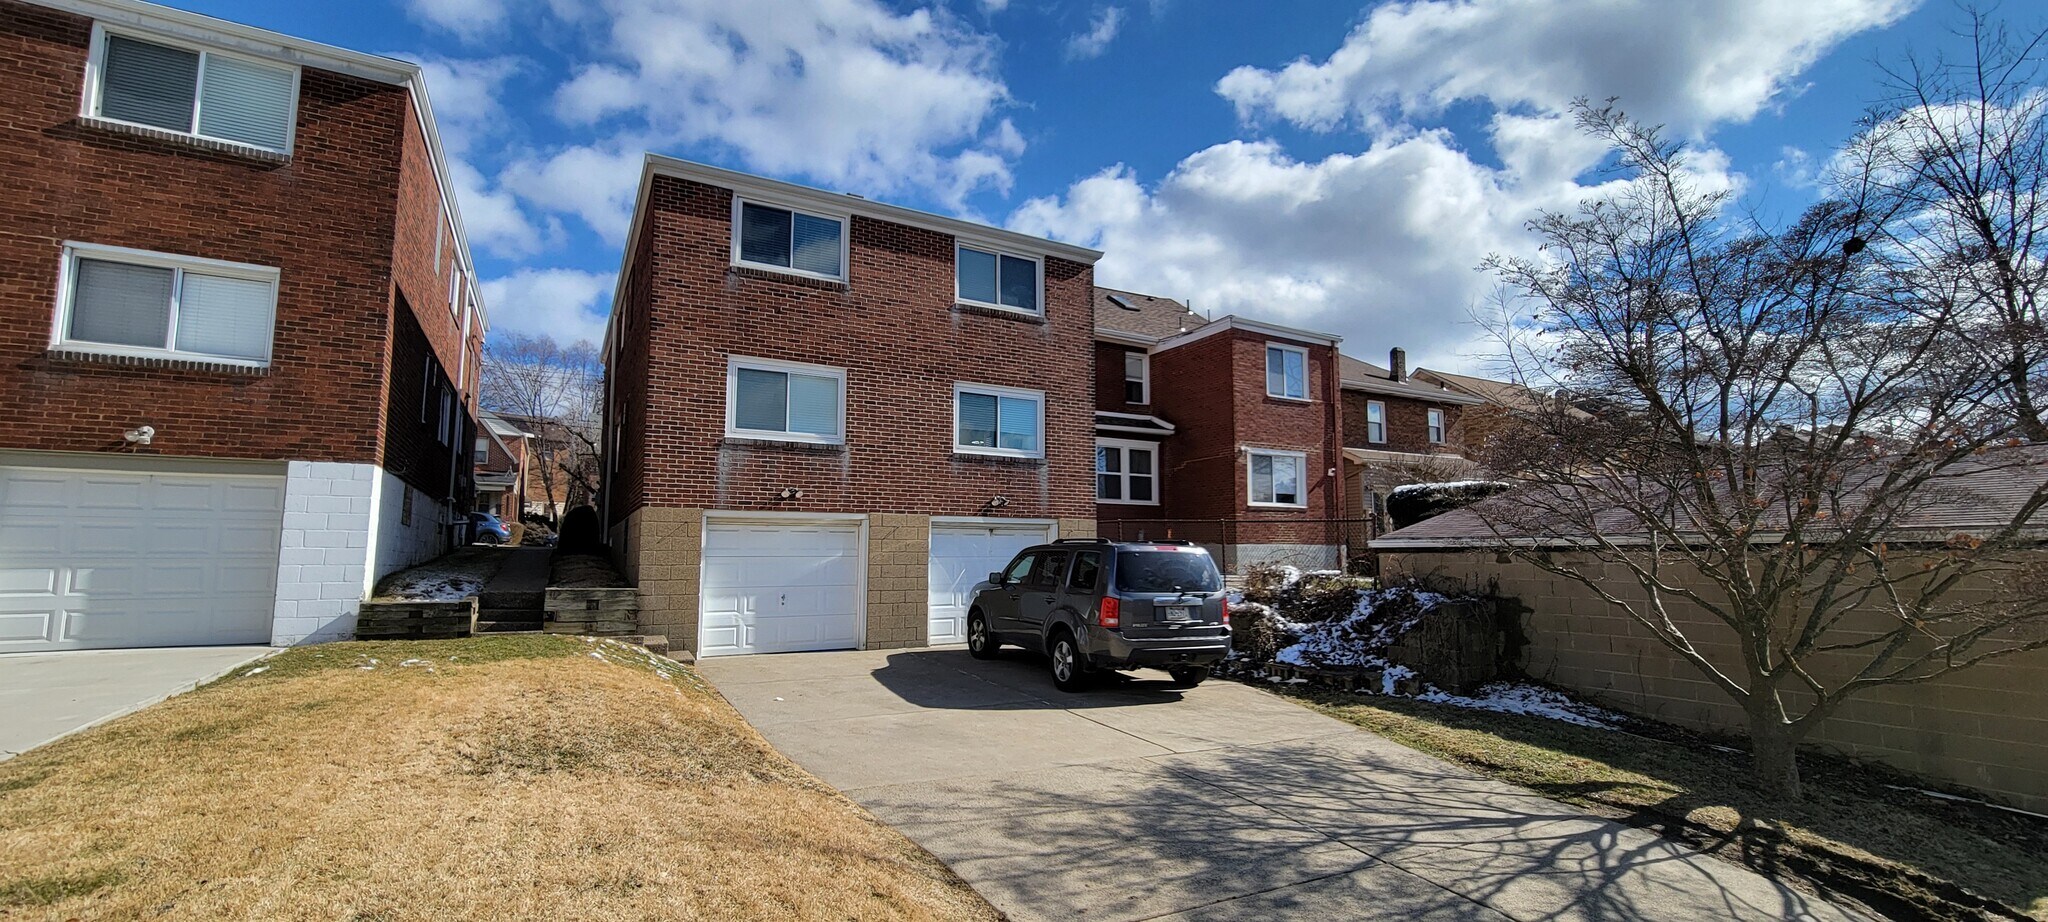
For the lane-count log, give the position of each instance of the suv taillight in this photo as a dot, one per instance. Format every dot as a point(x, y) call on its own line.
point(1107, 614)
point(1226, 612)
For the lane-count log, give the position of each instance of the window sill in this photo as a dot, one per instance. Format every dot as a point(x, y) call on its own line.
point(990, 458)
point(770, 274)
point(1286, 399)
point(230, 148)
point(1286, 506)
point(796, 445)
point(1005, 313)
point(1124, 502)
point(75, 356)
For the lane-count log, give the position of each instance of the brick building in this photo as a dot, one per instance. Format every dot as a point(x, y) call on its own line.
point(502, 456)
point(1228, 433)
point(1399, 428)
point(239, 334)
point(828, 418)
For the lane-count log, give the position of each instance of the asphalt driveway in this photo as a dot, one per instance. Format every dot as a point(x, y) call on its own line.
point(44, 696)
point(1140, 801)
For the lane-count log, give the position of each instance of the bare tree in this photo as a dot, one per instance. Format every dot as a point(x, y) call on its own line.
point(1958, 152)
point(554, 391)
point(1792, 421)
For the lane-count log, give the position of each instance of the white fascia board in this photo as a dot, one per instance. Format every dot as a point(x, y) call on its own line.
point(234, 36)
point(1125, 339)
point(1234, 322)
point(835, 203)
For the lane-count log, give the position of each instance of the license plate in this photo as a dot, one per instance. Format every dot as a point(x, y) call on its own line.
point(1178, 613)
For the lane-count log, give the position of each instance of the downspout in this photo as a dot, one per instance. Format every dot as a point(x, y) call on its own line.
point(1333, 456)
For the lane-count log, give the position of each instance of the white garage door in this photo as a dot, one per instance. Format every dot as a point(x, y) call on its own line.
point(780, 587)
point(117, 559)
point(963, 555)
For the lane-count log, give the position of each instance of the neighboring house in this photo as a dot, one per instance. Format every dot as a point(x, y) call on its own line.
point(501, 462)
point(827, 418)
point(1225, 432)
point(239, 338)
point(1399, 428)
point(1503, 409)
point(562, 471)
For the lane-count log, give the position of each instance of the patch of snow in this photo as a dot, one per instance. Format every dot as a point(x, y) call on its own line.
point(254, 671)
point(1362, 637)
point(1392, 676)
point(1408, 488)
point(1530, 700)
point(414, 662)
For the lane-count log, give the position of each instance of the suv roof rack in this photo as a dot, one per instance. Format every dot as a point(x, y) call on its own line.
point(1176, 541)
point(1084, 541)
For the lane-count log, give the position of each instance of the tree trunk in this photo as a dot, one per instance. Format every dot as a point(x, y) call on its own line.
point(1774, 753)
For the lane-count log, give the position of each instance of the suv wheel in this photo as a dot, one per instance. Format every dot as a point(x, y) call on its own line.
point(1069, 674)
point(980, 643)
point(1188, 676)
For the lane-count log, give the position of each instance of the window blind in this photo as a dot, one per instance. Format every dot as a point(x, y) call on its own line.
point(1017, 423)
point(148, 84)
point(761, 400)
point(246, 102)
point(977, 275)
point(814, 405)
point(815, 244)
point(977, 420)
point(121, 304)
point(224, 316)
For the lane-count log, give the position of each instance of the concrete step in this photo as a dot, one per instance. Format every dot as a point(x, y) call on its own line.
point(508, 627)
point(516, 601)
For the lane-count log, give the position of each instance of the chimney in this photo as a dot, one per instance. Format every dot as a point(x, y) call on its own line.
point(1397, 364)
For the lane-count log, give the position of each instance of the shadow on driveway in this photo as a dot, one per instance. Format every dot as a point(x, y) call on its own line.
point(950, 678)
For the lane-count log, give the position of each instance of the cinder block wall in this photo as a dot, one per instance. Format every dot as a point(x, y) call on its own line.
point(1985, 727)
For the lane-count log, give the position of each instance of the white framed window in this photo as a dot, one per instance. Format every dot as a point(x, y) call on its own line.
point(483, 446)
point(445, 432)
point(985, 277)
point(1287, 372)
point(440, 237)
point(1375, 421)
point(1003, 421)
point(190, 90)
point(1126, 472)
point(784, 401)
point(1137, 377)
point(119, 301)
point(787, 240)
point(1436, 426)
point(1276, 479)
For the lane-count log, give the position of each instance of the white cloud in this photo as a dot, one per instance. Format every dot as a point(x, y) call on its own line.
point(468, 19)
point(1381, 246)
point(1690, 64)
point(567, 304)
point(994, 6)
point(848, 94)
point(1095, 41)
point(594, 183)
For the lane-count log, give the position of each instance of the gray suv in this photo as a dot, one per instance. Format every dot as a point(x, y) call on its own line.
point(1093, 605)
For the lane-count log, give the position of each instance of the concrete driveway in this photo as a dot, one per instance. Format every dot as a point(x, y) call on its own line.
point(1140, 801)
point(44, 696)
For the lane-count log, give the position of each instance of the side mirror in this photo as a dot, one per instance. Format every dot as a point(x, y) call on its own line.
point(996, 577)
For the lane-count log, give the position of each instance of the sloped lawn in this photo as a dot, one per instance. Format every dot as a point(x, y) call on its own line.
point(514, 777)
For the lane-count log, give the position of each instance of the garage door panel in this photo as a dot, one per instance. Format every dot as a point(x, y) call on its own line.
point(26, 626)
point(961, 557)
point(136, 559)
point(770, 588)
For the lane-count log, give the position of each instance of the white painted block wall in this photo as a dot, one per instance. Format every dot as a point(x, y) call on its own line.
point(400, 543)
point(323, 564)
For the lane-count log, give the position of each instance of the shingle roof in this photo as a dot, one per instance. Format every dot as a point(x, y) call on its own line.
point(1147, 315)
point(1977, 496)
point(1362, 375)
point(1499, 393)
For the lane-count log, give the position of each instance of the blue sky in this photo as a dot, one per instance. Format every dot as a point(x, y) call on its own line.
point(1333, 166)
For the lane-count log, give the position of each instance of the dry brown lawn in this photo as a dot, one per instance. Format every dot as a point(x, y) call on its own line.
point(520, 777)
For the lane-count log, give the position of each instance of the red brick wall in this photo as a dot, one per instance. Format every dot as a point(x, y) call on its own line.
point(1199, 457)
point(1407, 424)
point(627, 376)
point(324, 219)
point(903, 343)
point(1109, 380)
point(423, 320)
point(1311, 427)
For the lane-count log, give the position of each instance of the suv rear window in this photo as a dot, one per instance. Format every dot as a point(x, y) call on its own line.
point(1166, 571)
